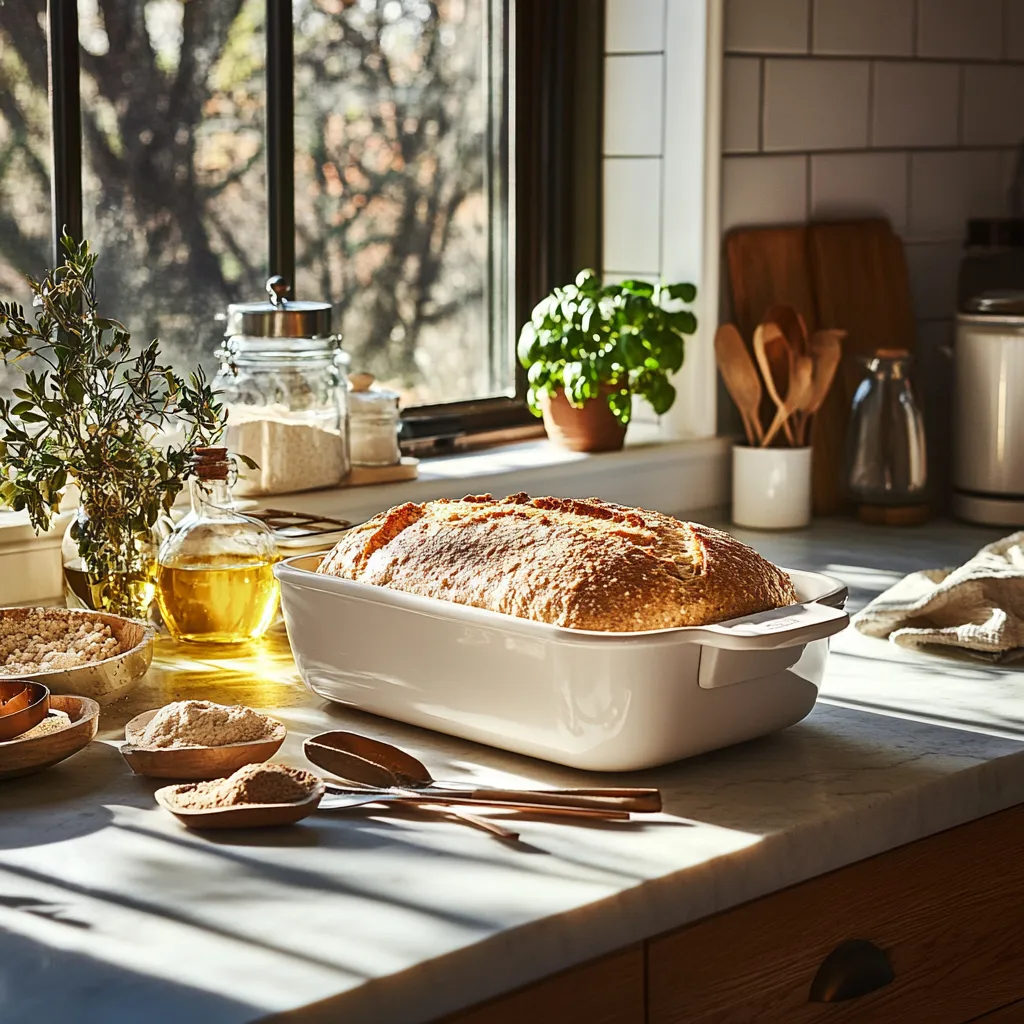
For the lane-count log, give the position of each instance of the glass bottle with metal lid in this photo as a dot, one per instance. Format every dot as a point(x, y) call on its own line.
point(373, 419)
point(283, 383)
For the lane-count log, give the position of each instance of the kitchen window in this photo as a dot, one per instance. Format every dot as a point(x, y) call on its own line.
point(410, 160)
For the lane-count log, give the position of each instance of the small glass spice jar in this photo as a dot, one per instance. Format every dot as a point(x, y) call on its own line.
point(282, 378)
point(373, 422)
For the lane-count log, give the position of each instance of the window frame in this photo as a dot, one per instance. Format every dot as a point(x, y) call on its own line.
point(553, 211)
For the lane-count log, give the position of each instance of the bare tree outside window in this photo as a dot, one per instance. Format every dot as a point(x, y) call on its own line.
point(392, 163)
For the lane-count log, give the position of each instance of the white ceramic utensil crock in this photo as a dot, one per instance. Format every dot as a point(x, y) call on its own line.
point(771, 487)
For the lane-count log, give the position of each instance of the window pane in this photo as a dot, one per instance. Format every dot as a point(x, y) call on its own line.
point(24, 150)
point(173, 185)
point(399, 187)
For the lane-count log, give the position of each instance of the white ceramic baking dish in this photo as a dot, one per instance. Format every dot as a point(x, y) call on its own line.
point(601, 701)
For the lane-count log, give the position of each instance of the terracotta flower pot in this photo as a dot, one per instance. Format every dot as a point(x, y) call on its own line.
point(592, 428)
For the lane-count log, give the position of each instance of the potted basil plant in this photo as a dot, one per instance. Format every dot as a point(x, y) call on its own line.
point(589, 348)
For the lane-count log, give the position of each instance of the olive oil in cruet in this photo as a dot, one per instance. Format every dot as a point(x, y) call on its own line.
point(215, 571)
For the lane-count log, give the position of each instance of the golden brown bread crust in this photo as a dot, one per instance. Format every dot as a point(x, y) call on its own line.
point(582, 564)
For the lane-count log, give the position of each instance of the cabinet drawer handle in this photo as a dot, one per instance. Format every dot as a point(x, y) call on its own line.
point(853, 969)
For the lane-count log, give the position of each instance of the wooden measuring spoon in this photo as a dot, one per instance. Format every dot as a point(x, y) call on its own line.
point(826, 350)
point(370, 762)
point(388, 778)
point(796, 398)
point(741, 379)
point(241, 815)
point(773, 355)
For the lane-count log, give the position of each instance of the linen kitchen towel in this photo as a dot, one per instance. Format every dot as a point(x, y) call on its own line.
point(978, 608)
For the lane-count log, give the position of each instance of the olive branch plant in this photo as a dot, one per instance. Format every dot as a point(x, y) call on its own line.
point(89, 412)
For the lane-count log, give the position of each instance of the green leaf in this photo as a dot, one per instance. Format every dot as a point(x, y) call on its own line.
point(635, 287)
point(23, 407)
point(528, 347)
point(683, 321)
point(684, 292)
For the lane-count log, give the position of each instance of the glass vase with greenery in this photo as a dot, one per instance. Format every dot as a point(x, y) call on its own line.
point(90, 412)
point(606, 343)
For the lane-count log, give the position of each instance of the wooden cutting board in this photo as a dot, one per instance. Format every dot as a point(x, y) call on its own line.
point(847, 274)
point(860, 283)
point(769, 267)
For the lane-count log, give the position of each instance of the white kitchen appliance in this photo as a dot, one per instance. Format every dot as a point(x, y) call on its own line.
point(600, 701)
point(988, 410)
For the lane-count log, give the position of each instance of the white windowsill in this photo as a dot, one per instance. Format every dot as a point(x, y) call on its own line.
point(679, 477)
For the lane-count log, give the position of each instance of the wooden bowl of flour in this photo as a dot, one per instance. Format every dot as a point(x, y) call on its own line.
point(193, 764)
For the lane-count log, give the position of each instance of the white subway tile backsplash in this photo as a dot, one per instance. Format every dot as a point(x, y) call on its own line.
point(634, 26)
point(933, 268)
point(993, 105)
point(766, 26)
point(870, 28)
point(763, 190)
point(632, 214)
point(1013, 30)
point(966, 29)
point(860, 185)
point(915, 103)
point(741, 105)
point(815, 104)
point(947, 188)
point(633, 92)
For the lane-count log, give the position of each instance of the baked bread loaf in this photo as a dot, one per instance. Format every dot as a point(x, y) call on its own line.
point(583, 564)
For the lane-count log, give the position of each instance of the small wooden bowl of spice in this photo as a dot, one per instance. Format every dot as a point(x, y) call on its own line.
point(198, 739)
point(256, 796)
point(68, 728)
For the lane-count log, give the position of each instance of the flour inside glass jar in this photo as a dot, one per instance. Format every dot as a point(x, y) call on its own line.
point(295, 451)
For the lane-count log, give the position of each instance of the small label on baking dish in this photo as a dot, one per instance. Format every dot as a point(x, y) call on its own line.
point(774, 625)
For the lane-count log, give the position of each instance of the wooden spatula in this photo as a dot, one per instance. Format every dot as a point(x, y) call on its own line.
point(773, 355)
point(792, 325)
point(741, 379)
point(826, 348)
point(797, 397)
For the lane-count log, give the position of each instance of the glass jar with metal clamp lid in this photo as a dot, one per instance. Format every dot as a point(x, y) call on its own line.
point(283, 383)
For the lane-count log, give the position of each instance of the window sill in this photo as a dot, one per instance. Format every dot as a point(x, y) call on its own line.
point(679, 477)
point(672, 476)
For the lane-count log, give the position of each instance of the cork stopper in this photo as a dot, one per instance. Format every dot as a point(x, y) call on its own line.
point(211, 463)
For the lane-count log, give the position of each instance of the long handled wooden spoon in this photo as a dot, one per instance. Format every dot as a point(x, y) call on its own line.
point(796, 397)
point(741, 379)
point(370, 762)
point(772, 352)
point(826, 350)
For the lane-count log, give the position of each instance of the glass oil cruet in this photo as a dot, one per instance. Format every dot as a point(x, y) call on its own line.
point(215, 570)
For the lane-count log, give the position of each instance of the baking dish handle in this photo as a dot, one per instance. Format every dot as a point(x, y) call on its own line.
point(795, 624)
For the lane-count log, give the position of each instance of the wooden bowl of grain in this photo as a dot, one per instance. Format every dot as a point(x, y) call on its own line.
point(32, 753)
point(104, 679)
point(195, 763)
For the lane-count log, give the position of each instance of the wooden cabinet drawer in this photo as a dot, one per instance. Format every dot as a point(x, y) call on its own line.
point(948, 912)
point(605, 991)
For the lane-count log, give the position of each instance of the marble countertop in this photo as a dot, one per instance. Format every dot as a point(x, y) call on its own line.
point(111, 911)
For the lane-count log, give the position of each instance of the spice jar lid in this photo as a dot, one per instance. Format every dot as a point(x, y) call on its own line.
point(369, 399)
point(281, 317)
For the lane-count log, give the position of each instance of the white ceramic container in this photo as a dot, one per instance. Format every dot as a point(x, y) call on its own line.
point(771, 487)
point(600, 701)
